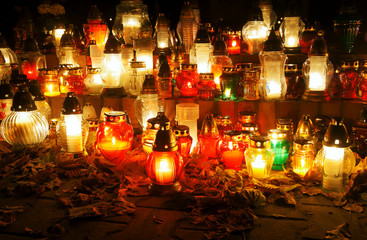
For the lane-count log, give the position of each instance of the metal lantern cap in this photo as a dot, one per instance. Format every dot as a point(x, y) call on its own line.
point(94, 14)
point(67, 40)
point(305, 128)
point(251, 127)
point(115, 116)
point(137, 64)
point(274, 43)
point(71, 105)
point(149, 85)
point(36, 90)
point(209, 125)
point(229, 69)
point(165, 139)
point(350, 63)
point(181, 130)
point(112, 45)
point(336, 135)
point(318, 47)
point(206, 76)
point(188, 66)
point(202, 35)
point(23, 101)
point(257, 141)
point(93, 70)
point(162, 21)
point(244, 66)
point(291, 67)
point(277, 134)
point(30, 45)
point(220, 47)
point(154, 123)
point(233, 135)
point(6, 90)
point(303, 144)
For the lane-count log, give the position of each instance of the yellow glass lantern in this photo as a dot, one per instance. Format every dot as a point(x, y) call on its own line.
point(162, 33)
point(303, 156)
point(144, 52)
point(317, 71)
point(51, 82)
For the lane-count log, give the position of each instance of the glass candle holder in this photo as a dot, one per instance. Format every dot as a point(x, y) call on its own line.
point(286, 124)
point(349, 79)
point(148, 135)
point(187, 80)
point(209, 137)
point(241, 69)
point(303, 157)
point(6, 98)
point(201, 51)
point(251, 85)
point(308, 35)
point(281, 146)
point(164, 80)
point(76, 80)
point(187, 27)
point(224, 123)
point(94, 82)
point(183, 139)
point(254, 33)
point(231, 150)
point(188, 114)
point(137, 73)
point(68, 53)
point(144, 52)
point(95, 29)
point(295, 84)
point(50, 82)
point(259, 157)
point(24, 125)
point(62, 76)
point(363, 84)
point(72, 128)
point(162, 32)
point(252, 128)
point(164, 165)
point(206, 86)
point(229, 82)
point(234, 43)
point(114, 137)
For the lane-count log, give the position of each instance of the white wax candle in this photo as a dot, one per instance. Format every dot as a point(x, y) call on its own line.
point(258, 167)
point(74, 137)
point(164, 171)
point(333, 168)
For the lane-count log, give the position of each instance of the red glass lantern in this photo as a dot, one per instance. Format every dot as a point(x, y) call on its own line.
point(95, 29)
point(224, 123)
point(231, 150)
point(114, 136)
point(187, 80)
point(165, 164)
point(363, 84)
point(209, 137)
point(349, 79)
point(295, 83)
point(183, 139)
point(207, 86)
point(307, 36)
point(234, 43)
point(245, 117)
point(75, 80)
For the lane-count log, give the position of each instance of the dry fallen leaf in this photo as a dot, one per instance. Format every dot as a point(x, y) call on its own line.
point(341, 232)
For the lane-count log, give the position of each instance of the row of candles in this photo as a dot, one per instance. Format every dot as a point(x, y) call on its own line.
point(208, 56)
point(233, 146)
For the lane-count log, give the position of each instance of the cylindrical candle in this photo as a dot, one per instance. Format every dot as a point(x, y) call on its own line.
point(188, 114)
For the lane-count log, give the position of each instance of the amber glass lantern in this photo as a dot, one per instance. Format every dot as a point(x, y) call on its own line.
point(291, 28)
point(201, 51)
point(349, 79)
point(224, 123)
point(147, 104)
point(94, 82)
point(335, 160)
point(234, 42)
point(76, 80)
point(305, 129)
point(183, 139)
point(114, 137)
point(187, 80)
point(72, 128)
point(303, 156)
point(209, 137)
point(250, 85)
point(281, 147)
point(255, 32)
point(148, 135)
point(162, 34)
point(363, 84)
point(206, 87)
point(24, 125)
point(187, 27)
point(272, 61)
point(317, 71)
point(164, 78)
point(259, 157)
point(63, 74)
point(95, 29)
point(229, 83)
point(50, 82)
point(31, 59)
point(164, 165)
point(231, 150)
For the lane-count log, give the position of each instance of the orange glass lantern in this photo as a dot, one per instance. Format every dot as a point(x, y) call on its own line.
point(76, 80)
point(187, 80)
point(234, 43)
point(209, 137)
point(303, 156)
point(165, 164)
point(95, 29)
point(231, 150)
point(114, 136)
point(50, 82)
point(224, 123)
point(183, 139)
point(148, 136)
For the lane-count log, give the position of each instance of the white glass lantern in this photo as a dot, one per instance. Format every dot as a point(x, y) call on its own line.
point(68, 52)
point(317, 71)
point(272, 61)
point(72, 129)
point(114, 74)
point(201, 51)
point(187, 27)
point(162, 32)
point(335, 160)
point(57, 32)
point(147, 104)
point(24, 126)
point(268, 13)
point(291, 28)
point(144, 52)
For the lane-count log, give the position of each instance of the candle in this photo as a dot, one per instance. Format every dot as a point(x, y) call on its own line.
point(232, 159)
point(164, 171)
point(301, 168)
point(74, 133)
point(52, 90)
point(258, 167)
point(317, 78)
point(217, 70)
point(273, 89)
point(114, 149)
point(333, 168)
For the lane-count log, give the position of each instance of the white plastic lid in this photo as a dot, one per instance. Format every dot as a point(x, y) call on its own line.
point(187, 111)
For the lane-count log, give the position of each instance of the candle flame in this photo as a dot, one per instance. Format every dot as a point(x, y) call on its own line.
point(113, 141)
point(230, 146)
point(234, 43)
point(164, 166)
point(227, 93)
point(50, 87)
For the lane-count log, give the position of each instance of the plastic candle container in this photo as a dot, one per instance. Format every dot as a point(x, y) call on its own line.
point(281, 146)
point(183, 139)
point(188, 114)
point(231, 150)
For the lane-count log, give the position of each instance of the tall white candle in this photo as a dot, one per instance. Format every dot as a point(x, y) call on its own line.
point(333, 168)
point(74, 133)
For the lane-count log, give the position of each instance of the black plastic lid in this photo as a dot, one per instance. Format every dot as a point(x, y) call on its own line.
point(17, 80)
point(336, 135)
point(202, 35)
point(36, 90)
point(30, 45)
point(67, 39)
point(6, 90)
point(112, 45)
point(291, 10)
point(165, 139)
point(3, 43)
point(318, 47)
point(164, 69)
point(274, 43)
point(23, 101)
point(154, 123)
point(149, 85)
point(71, 105)
point(219, 46)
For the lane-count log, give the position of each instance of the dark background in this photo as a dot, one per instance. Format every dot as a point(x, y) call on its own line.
point(232, 13)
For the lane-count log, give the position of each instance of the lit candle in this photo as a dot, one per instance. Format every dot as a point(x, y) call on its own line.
point(258, 167)
point(232, 159)
point(52, 90)
point(291, 41)
point(164, 171)
point(301, 167)
point(217, 70)
point(113, 148)
point(274, 90)
point(74, 133)
point(317, 76)
point(333, 168)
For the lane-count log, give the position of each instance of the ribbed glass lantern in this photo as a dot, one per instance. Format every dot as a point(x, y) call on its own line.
point(201, 51)
point(187, 27)
point(24, 126)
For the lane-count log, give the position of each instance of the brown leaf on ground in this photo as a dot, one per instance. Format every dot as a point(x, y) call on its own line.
point(341, 232)
point(311, 191)
point(157, 220)
point(313, 176)
point(8, 214)
point(254, 197)
point(353, 207)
